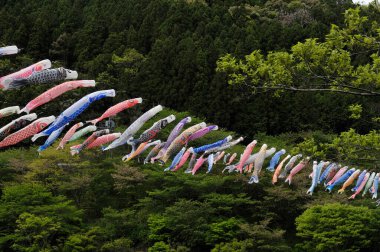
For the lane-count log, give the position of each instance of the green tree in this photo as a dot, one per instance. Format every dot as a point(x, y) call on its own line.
point(337, 227)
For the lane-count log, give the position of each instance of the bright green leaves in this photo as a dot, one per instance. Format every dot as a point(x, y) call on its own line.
point(313, 65)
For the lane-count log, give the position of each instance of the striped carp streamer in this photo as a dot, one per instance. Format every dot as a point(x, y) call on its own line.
point(9, 111)
point(154, 152)
point(275, 159)
point(24, 133)
point(82, 132)
point(114, 110)
point(247, 152)
point(55, 92)
point(134, 127)
point(77, 149)
point(297, 169)
point(181, 140)
point(6, 82)
point(9, 50)
point(68, 135)
point(74, 111)
point(173, 134)
point(16, 125)
point(349, 181)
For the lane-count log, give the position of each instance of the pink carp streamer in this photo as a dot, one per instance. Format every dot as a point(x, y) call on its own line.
point(6, 81)
point(247, 152)
point(24, 133)
point(112, 111)
point(219, 157)
point(101, 140)
point(54, 92)
point(338, 175)
point(198, 164)
point(68, 135)
point(297, 169)
point(78, 148)
point(232, 158)
point(361, 186)
point(183, 160)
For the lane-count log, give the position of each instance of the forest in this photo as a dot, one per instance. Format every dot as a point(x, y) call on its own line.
point(302, 75)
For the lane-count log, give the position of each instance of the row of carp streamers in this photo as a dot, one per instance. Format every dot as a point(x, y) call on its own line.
point(176, 145)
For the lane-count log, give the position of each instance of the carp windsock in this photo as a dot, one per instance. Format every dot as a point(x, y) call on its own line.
point(212, 145)
point(341, 180)
point(75, 110)
point(200, 133)
point(46, 76)
point(184, 158)
point(16, 125)
point(8, 50)
point(297, 169)
point(173, 134)
point(225, 146)
point(337, 175)
point(82, 132)
point(68, 135)
point(77, 149)
point(27, 132)
point(359, 181)
point(176, 159)
point(9, 111)
point(258, 164)
point(114, 110)
point(275, 159)
point(349, 181)
point(54, 92)
point(50, 140)
point(316, 172)
point(278, 169)
point(375, 186)
point(247, 152)
point(181, 140)
point(101, 140)
point(154, 152)
point(6, 82)
point(369, 183)
point(361, 186)
point(289, 166)
point(134, 127)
